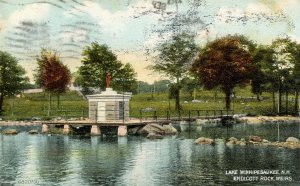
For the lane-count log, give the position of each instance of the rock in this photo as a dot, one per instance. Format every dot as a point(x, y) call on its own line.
point(169, 129)
point(243, 140)
point(154, 136)
point(292, 139)
point(152, 128)
point(233, 139)
point(255, 138)
point(33, 132)
point(241, 143)
point(134, 130)
point(265, 141)
point(201, 121)
point(203, 140)
point(157, 129)
point(10, 132)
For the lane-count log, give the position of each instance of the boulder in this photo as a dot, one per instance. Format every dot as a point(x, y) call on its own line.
point(233, 139)
point(255, 138)
point(134, 130)
point(203, 140)
point(152, 128)
point(154, 136)
point(201, 121)
point(169, 129)
point(33, 132)
point(292, 140)
point(265, 141)
point(241, 143)
point(10, 132)
point(157, 129)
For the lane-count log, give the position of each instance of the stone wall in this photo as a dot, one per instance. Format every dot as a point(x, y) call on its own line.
point(112, 112)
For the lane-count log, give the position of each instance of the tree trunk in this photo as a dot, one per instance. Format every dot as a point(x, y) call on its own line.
point(177, 95)
point(296, 109)
point(227, 99)
point(49, 104)
point(194, 93)
point(1, 101)
point(286, 102)
point(257, 97)
point(279, 98)
point(274, 101)
point(177, 99)
point(58, 100)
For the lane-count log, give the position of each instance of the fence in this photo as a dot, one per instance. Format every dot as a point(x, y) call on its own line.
point(183, 114)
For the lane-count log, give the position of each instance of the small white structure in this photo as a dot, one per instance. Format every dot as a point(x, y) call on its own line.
point(109, 106)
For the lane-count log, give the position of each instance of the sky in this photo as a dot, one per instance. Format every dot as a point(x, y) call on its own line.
point(133, 28)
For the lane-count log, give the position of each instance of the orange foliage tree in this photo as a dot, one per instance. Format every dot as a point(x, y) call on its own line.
point(224, 63)
point(52, 74)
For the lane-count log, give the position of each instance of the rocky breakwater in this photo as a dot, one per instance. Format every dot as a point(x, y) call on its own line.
point(290, 142)
point(154, 130)
point(268, 119)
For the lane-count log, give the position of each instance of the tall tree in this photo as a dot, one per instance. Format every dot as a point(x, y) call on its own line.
point(264, 75)
point(174, 59)
point(97, 61)
point(12, 79)
point(284, 55)
point(224, 62)
point(296, 77)
point(52, 74)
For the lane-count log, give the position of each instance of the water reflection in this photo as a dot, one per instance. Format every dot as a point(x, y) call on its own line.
point(174, 160)
point(53, 156)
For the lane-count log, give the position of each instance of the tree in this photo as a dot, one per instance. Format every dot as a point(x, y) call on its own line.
point(161, 85)
point(174, 59)
point(264, 75)
point(52, 74)
point(296, 77)
point(285, 56)
point(224, 62)
point(124, 79)
point(12, 79)
point(143, 87)
point(190, 85)
point(97, 61)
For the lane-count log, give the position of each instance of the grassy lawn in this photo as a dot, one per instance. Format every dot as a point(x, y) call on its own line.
point(36, 105)
point(245, 102)
point(73, 105)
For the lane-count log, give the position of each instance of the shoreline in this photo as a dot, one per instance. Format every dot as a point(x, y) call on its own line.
point(251, 120)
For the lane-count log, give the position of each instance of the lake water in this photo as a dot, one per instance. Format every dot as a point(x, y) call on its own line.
point(174, 160)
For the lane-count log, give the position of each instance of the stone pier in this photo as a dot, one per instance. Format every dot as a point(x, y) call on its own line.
point(45, 128)
point(66, 129)
point(95, 130)
point(122, 130)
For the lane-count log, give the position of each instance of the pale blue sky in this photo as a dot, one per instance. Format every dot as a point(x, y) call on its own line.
point(131, 28)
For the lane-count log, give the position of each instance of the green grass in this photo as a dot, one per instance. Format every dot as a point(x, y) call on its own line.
point(36, 105)
point(73, 105)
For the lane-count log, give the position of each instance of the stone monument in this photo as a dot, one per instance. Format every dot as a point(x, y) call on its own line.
point(109, 105)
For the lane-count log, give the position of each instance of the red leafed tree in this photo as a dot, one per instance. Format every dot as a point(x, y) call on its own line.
point(224, 63)
point(52, 74)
